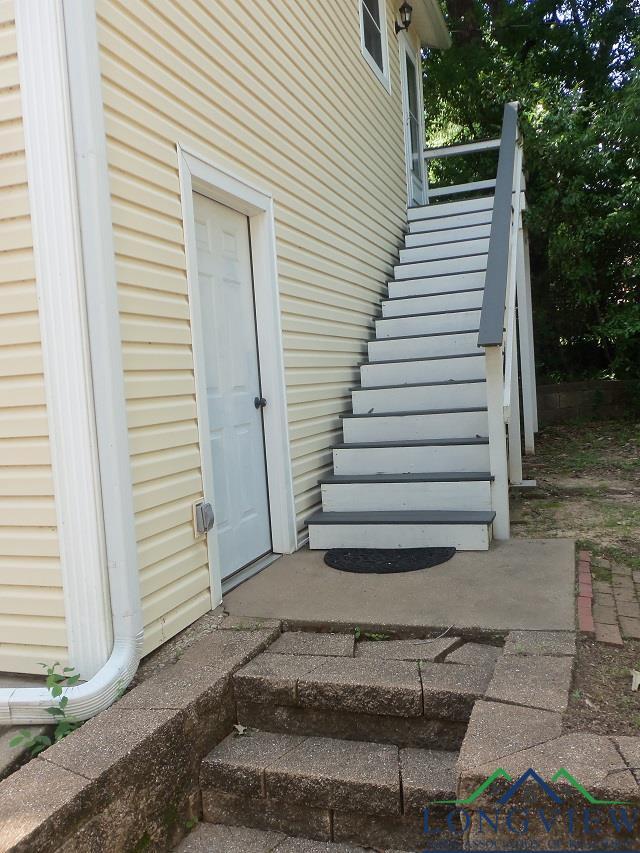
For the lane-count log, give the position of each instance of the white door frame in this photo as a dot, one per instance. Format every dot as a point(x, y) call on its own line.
point(405, 46)
point(200, 175)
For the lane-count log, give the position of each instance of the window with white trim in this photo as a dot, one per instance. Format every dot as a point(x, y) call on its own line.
point(373, 38)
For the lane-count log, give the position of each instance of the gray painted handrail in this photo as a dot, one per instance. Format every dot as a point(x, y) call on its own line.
point(495, 289)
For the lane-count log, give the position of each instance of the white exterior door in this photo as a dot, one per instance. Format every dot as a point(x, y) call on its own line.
point(413, 110)
point(241, 503)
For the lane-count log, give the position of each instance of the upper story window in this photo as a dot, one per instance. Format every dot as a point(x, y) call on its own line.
point(373, 38)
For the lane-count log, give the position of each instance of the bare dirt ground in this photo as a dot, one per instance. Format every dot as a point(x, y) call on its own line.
point(589, 489)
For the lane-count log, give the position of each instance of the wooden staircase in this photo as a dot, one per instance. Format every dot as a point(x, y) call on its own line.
point(414, 467)
point(433, 440)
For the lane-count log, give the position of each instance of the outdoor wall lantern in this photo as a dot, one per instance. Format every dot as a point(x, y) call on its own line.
point(406, 11)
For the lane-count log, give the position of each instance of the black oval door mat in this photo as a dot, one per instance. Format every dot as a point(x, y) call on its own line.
point(383, 561)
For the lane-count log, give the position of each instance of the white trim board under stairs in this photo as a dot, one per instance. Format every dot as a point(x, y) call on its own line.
point(413, 470)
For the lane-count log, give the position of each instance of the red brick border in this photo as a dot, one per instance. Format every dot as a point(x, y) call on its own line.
point(604, 633)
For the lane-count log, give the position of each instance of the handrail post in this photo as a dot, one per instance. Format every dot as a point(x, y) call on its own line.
point(513, 431)
point(527, 363)
point(497, 441)
point(526, 336)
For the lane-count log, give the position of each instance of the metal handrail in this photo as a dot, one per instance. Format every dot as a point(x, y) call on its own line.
point(461, 148)
point(495, 290)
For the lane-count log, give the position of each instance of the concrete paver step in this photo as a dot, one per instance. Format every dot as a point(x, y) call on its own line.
point(410, 693)
point(308, 786)
point(209, 838)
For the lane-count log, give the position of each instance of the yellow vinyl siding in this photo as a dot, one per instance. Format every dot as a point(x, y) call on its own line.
point(32, 621)
point(278, 93)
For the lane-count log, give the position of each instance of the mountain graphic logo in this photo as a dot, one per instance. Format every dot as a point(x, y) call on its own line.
point(530, 776)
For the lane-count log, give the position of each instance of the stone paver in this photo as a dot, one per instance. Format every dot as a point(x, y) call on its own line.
point(427, 775)
point(419, 732)
point(181, 685)
point(112, 741)
point(366, 686)
point(329, 773)
point(211, 838)
point(307, 643)
point(602, 588)
point(429, 650)
point(538, 682)
point(630, 627)
point(475, 654)
point(592, 759)
point(636, 577)
point(450, 690)
point(230, 648)
point(38, 803)
point(605, 615)
point(630, 749)
point(303, 845)
point(249, 623)
point(555, 643)
point(263, 813)
point(609, 635)
point(273, 678)
point(496, 730)
point(605, 600)
point(630, 609)
point(238, 763)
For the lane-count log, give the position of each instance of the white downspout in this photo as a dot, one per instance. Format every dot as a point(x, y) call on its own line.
point(58, 57)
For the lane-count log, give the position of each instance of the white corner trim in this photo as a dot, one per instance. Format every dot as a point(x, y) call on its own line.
point(60, 79)
point(199, 175)
point(65, 341)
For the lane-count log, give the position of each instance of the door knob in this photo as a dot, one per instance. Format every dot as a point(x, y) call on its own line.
point(259, 402)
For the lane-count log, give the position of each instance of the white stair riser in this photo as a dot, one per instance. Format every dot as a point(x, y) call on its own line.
point(408, 428)
point(447, 235)
point(424, 304)
point(437, 284)
point(412, 372)
point(410, 399)
point(464, 537)
point(449, 208)
point(426, 226)
point(391, 497)
point(427, 325)
point(472, 263)
point(445, 250)
point(423, 347)
point(411, 460)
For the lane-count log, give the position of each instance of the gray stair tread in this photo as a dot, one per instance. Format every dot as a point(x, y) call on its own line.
point(468, 203)
point(428, 335)
point(421, 442)
point(413, 414)
point(436, 260)
point(419, 384)
point(428, 295)
point(434, 516)
point(429, 314)
point(444, 477)
point(424, 277)
point(445, 242)
point(425, 357)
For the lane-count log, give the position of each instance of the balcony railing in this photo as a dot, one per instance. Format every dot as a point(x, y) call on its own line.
point(506, 330)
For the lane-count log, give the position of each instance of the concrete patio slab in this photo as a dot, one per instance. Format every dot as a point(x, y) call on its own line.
point(522, 583)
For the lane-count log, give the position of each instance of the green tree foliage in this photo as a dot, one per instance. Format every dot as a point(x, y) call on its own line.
point(573, 66)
